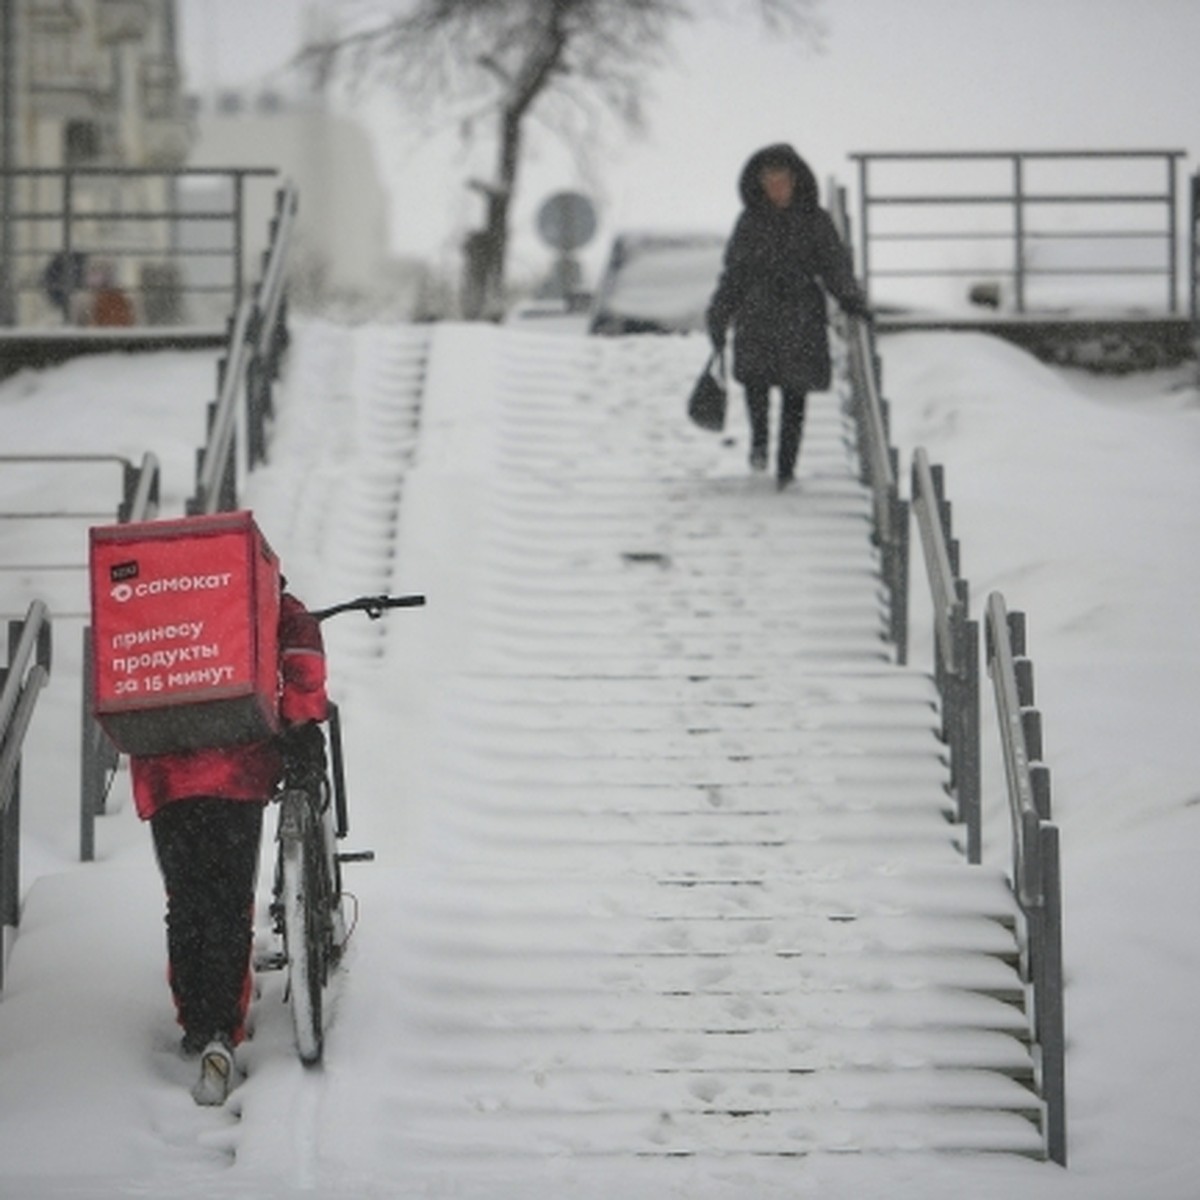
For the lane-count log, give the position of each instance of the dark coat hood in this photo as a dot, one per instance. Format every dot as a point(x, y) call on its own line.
point(780, 154)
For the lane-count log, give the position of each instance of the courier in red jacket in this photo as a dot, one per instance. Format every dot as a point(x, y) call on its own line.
point(205, 809)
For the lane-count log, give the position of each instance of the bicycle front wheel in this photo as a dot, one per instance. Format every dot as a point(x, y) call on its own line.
point(304, 898)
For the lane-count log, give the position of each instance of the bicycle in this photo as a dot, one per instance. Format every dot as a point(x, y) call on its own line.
point(306, 913)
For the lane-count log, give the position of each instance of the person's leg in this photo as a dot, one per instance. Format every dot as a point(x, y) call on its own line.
point(208, 852)
point(758, 410)
point(791, 426)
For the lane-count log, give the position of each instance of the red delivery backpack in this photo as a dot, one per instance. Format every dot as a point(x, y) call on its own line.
point(185, 617)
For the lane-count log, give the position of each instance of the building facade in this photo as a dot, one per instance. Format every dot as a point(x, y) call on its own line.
point(89, 89)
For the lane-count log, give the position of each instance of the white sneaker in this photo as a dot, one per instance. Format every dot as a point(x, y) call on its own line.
point(216, 1074)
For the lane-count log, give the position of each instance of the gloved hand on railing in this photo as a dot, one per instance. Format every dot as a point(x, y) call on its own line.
point(858, 308)
point(303, 750)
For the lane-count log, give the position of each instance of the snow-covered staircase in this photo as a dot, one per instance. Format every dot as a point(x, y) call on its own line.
point(694, 889)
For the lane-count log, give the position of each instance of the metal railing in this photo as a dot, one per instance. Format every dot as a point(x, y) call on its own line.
point(879, 461)
point(136, 479)
point(1036, 870)
point(1133, 231)
point(172, 241)
point(955, 646)
point(1036, 880)
point(139, 486)
point(1194, 262)
point(257, 338)
point(879, 464)
point(20, 683)
point(98, 756)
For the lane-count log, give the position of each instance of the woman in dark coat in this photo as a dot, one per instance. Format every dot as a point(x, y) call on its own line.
point(783, 248)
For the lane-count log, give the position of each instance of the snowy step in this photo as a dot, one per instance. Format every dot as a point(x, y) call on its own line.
point(492, 1131)
point(811, 610)
point(769, 1052)
point(688, 1094)
point(831, 637)
point(528, 715)
point(806, 692)
point(527, 833)
point(693, 886)
point(946, 890)
point(715, 770)
point(561, 977)
point(703, 742)
point(781, 937)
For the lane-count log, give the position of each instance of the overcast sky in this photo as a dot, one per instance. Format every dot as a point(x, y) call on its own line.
point(918, 74)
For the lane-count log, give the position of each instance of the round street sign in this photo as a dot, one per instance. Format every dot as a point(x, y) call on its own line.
point(566, 221)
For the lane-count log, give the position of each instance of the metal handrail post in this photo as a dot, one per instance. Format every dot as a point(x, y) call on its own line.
point(864, 227)
point(239, 200)
point(1051, 1017)
point(955, 645)
point(97, 758)
point(68, 200)
point(29, 653)
point(970, 785)
point(1018, 232)
point(1194, 253)
point(1172, 238)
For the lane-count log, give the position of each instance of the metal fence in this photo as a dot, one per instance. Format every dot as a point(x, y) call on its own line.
point(126, 246)
point(1072, 218)
point(21, 681)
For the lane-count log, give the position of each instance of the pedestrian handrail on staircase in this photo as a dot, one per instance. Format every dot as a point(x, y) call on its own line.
point(880, 472)
point(1035, 851)
point(257, 338)
point(21, 681)
point(98, 756)
point(879, 460)
point(955, 645)
point(1036, 870)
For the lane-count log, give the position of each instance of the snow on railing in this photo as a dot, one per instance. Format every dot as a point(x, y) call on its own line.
point(20, 683)
point(257, 339)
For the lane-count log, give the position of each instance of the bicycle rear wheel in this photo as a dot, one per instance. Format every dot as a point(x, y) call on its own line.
point(305, 895)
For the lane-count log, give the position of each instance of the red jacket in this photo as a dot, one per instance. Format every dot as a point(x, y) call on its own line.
point(252, 770)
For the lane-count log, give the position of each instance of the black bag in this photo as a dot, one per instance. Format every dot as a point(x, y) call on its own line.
point(706, 405)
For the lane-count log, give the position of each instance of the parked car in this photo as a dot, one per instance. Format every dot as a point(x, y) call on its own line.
point(657, 283)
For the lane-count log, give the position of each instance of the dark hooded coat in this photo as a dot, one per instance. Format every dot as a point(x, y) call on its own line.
point(770, 289)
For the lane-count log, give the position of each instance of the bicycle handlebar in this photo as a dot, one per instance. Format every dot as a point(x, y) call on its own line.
point(373, 606)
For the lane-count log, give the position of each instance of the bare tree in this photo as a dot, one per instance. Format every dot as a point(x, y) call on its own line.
point(504, 57)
